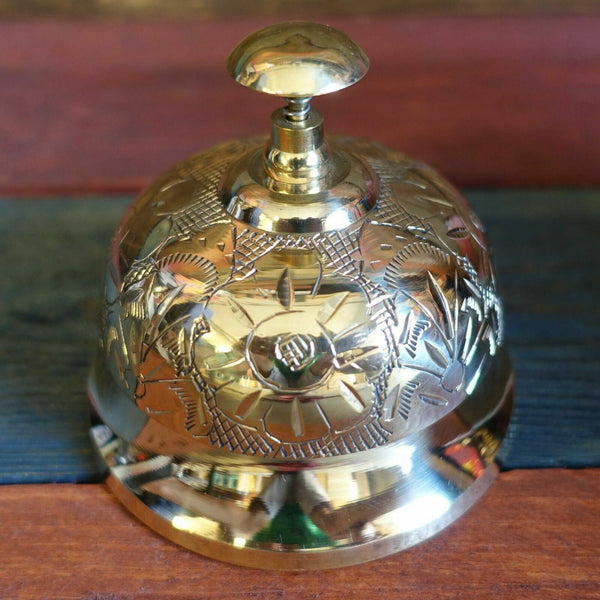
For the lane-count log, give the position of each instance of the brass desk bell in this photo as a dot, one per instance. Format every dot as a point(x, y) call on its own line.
point(302, 363)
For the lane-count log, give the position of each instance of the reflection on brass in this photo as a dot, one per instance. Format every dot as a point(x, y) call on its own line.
point(302, 361)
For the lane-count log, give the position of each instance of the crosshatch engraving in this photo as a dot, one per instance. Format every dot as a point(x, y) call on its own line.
point(306, 345)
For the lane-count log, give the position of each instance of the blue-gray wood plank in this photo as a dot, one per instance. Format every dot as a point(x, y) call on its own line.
point(547, 250)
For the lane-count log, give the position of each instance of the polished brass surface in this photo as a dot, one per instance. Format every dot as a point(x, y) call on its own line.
point(297, 59)
point(257, 194)
point(302, 361)
point(300, 182)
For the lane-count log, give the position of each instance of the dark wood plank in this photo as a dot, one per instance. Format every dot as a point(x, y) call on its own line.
point(53, 256)
point(491, 101)
point(534, 535)
point(545, 244)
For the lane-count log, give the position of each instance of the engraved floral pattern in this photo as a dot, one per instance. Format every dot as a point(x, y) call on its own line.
point(315, 381)
point(305, 345)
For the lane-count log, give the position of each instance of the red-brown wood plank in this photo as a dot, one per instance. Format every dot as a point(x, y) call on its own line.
point(490, 101)
point(534, 535)
point(288, 9)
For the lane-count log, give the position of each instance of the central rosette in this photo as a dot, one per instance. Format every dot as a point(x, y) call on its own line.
point(294, 350)
point(286, 361)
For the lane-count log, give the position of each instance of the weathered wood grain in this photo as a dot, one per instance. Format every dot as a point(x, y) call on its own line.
point(534, 535)
point(53, 257)
point(491, 101)
point(53, 253)
point(546, 246)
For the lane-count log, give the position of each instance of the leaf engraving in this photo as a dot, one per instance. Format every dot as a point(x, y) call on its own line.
point(285, 290)
point(442, 303)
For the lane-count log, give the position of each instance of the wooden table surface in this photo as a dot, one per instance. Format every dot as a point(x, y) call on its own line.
point(496, 102)
point(491, 102)
point(534, 535)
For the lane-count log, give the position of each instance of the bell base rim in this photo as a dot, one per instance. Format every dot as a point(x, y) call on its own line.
point(280, 559)
point(272, 516)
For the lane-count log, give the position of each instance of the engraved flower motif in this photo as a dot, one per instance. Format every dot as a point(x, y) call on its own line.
point(155, 316)
point(292, 350)
point(444, 329)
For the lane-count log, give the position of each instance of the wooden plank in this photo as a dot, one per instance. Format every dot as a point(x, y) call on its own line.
point(285, 8)
point(53, 256)
point(543, 245)
point(534, 535)
point(106, 105)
